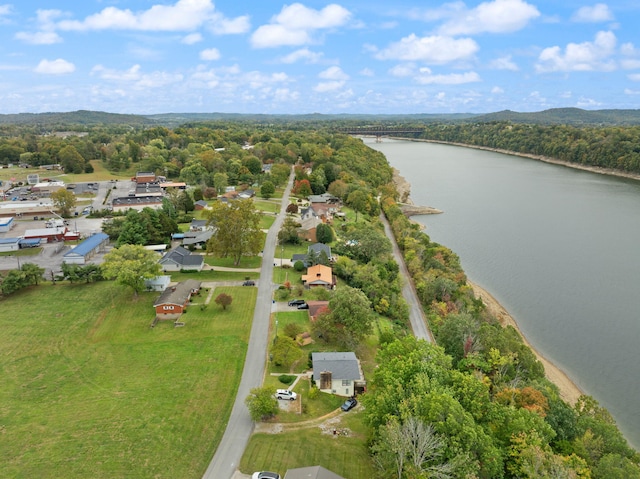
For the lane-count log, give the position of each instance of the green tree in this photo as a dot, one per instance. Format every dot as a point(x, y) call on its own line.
point(359, 201)
point(32, 273)
point(64, 201)
point(131, 265)
point(324, 233)
point(262, 403)
point(13, 281)
point(71, 160)
point(237, 230)
point(224, 300)
point(220, 182)
point(267, 190)
point(133, 230)
point(348, 321)
point(285, 351)
point(289, 232)
point(185, 202)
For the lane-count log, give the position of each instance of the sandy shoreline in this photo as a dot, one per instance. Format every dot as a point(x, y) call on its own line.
point(569, 391)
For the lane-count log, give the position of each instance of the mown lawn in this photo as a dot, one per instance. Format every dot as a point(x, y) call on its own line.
point(89, 390)
point(347, 456)
point(245, 261)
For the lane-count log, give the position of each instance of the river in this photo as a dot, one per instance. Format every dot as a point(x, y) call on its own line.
point(558, 247)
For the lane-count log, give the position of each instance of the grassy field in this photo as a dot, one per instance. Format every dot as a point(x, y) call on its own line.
point(245, 262)
point(89, 390)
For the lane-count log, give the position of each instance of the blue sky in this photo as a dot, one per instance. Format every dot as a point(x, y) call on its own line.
point(263, 56)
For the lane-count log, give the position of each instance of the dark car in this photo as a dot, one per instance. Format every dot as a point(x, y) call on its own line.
point(303, 306)
point(296, 302)
point(249, 282)
point(349, 404)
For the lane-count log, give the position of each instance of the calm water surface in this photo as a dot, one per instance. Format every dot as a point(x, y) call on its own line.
point(558, 247)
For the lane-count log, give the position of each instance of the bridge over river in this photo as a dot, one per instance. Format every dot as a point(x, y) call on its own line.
point(380, 131)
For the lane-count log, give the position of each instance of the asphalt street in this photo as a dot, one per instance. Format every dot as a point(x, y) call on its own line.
point(240, 426)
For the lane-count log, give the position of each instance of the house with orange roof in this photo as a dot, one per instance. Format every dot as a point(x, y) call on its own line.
point(319, 276)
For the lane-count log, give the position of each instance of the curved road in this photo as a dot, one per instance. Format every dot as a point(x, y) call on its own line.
point(240, 426)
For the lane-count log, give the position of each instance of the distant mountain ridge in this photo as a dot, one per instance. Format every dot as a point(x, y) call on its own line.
point(568, 116)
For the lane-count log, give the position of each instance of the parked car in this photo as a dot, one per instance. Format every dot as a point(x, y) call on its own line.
point(265, 475)
point(286, 394)
point(249, 282)
point(296, 302)
point(303, 306)
point(349, 404)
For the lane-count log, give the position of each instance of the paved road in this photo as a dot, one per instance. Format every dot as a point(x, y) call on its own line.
point(240, 426)
point(416, 313)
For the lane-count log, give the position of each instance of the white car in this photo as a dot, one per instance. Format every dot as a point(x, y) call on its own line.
point(265, 475)
point(286, 394)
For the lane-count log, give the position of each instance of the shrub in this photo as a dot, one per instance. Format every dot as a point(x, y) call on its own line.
point(286, 379)
point(292, 330)
point(313, 392)
point(298, 266)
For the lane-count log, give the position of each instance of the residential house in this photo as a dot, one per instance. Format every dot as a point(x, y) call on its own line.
point(200, 205)
point(317, 307)
point(180, 258)
point(319, 276)
point(198, 225)
point(313, 250)
point(338, 373)
point(246, 194)
point(174, 300)
point(324, 198)
point(159, 283)
point(313, 472)
point(91, 246)
point(197, 238)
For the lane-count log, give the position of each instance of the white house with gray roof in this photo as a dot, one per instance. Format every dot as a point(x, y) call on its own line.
point(180, 258)
point(338, 373)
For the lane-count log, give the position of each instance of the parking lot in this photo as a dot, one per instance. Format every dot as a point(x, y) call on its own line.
point(50, 256)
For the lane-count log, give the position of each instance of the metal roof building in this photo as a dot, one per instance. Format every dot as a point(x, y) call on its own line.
point(87, 249)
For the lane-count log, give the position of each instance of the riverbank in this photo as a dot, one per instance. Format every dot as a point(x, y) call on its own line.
point(545, 159)
point(406, 204)
point(569, 391)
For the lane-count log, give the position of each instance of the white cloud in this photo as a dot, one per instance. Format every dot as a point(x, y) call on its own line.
point(631, 64)
point(210, 54)
point(634, 77)
point(230, 26)
point(55, 67)
point(503, 63)
point(39, 38)
point(295, 23)
point(324, 87)
point(5, 11)
point(497, 16)
point(403, 70)
point(587, 103)
point(593, 14)
point(192, 39)
point(136, 78)
point(587, 56)
point(496, 90)
point(303, 54)
point(434, 49)
point(333, 73)
point(628, 91)
point(184, 15)
point(425, 77)
point(629, 49)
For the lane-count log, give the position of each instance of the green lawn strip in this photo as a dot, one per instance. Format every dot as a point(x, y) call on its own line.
point(89, 390)
point(245, 262)
point(23, 252)
point(266, 221)
point(280, 275)
point(267, 206)
point(211, 275)
point(347, 456)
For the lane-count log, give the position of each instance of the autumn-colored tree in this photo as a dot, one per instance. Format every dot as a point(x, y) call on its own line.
point(224, 300)
point(292, 208)
point(302, 188)
point(64, 201)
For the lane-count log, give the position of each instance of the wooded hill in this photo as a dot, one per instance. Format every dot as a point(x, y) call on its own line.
point(564, 116)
